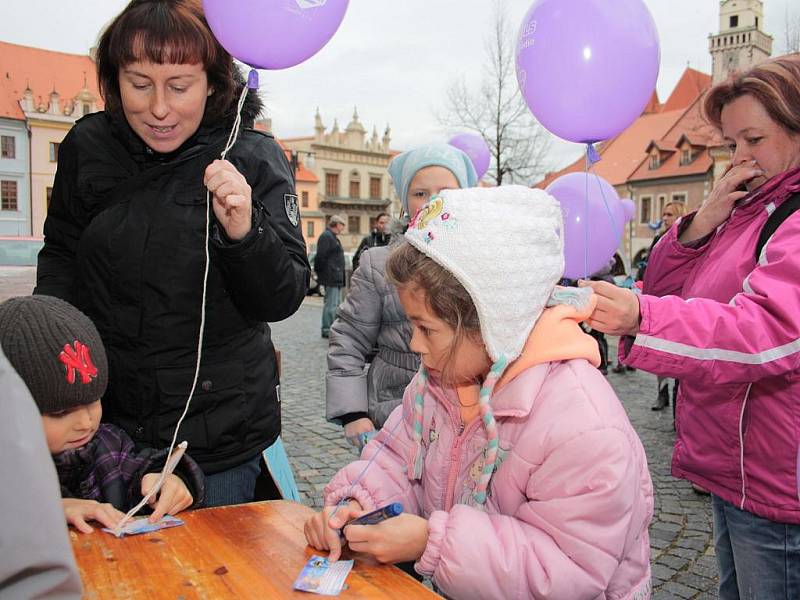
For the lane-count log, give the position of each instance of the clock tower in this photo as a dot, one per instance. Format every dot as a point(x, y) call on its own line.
point(741, 42)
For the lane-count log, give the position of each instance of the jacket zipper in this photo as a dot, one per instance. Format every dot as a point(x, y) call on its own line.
point(455, 463)
point(741, 445)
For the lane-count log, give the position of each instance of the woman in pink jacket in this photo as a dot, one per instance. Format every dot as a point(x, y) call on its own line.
point(724, 318)
point(519, 472)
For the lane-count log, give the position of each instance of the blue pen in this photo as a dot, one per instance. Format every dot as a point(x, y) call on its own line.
point(376, 516)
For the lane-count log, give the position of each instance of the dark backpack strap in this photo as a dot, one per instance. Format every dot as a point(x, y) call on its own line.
point(778, 216)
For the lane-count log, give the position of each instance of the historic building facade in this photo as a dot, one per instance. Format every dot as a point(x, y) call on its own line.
point(353, 180)
point(43, 94)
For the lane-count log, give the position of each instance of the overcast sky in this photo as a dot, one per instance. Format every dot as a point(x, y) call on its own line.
point(393, 59)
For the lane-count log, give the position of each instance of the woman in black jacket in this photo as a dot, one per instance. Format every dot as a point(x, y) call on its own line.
point(125, 242)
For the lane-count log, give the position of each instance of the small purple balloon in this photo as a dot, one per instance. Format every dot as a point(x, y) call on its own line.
point(602, 225)
point(628, 209)
point(475, 147)
point(274, 34)
point(587, 68)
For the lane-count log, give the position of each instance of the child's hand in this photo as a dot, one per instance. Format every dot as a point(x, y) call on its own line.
point(322, 530)
point(77, 512)
point(173, 497)
point(399, 539)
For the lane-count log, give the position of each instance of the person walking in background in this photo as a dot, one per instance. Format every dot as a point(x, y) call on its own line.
point(329, 266)
point(379, 236)
point(372, 315)
point(721, 312)
point(671, 213)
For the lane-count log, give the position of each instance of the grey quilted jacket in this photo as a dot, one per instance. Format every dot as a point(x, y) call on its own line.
point(370, 316)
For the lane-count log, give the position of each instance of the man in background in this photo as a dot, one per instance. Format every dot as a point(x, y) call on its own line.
point(379, 236)
point(329, 266)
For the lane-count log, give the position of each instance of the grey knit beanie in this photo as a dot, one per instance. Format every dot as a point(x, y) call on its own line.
point(56, 350)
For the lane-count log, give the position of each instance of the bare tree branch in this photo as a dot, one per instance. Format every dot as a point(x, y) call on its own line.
point(791, 32)
point(497, 112)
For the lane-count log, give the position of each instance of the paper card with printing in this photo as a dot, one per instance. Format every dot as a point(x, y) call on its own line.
point(142, 525)
point(319, 576)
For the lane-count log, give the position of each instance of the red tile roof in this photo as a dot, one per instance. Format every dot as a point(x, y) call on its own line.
point(692, 127)
point(621, 155)
point(691, 85)
point(302, 174)
point(43, 71)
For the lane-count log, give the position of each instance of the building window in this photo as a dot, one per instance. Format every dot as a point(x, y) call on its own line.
point(310, 228)
point(686, 156)
point(9, 146)
point(374, 187)
point(655, 161)
point(354, 189)
point(734, 21)
point(86, 108)
point(304, 199)
point(662, 201)
point(49, 193)
point(679, 198)
point(354, 224)
point(8, 195)
point(332, 185)
point(54, 151)
point(645, 211)
point(756, 22)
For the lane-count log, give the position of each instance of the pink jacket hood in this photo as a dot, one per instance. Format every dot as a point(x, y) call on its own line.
point(570, 502)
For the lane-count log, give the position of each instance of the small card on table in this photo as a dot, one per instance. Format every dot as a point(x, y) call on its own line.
point(320, 576)
point(142, 525)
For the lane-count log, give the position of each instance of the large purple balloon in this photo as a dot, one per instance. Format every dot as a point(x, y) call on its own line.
point(587, 68)
point(628, 209)
point(274, 34)
point(602, 224)
point(475, 147)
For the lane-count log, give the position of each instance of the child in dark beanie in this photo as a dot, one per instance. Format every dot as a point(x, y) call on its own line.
point(58, 353)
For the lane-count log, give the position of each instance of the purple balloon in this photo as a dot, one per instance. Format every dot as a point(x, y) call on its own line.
point(628, 209)
point(603, 223)
point(274, 34)
point(587, 68)
point(475, 147)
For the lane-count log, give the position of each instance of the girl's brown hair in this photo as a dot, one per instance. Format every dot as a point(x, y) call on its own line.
point(775, 83)
point(408, 268)
point(166, 31)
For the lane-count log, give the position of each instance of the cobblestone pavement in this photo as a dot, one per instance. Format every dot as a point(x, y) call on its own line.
point(682, 543)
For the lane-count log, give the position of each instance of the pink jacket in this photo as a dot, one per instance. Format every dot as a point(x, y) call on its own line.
point(729, 330)
point(570, 503)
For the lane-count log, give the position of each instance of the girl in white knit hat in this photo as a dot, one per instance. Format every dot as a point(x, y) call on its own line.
point(518, 470)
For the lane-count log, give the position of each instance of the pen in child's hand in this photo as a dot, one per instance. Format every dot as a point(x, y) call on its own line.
point(375, 517)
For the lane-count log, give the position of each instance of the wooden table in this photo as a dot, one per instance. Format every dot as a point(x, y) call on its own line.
point(247, 551)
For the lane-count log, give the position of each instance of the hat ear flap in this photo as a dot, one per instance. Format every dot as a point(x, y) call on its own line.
point(396, 173)
point(472, 176)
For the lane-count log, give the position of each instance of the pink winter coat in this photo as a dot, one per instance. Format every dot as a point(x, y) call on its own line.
point(570, 503)
point(729, 330)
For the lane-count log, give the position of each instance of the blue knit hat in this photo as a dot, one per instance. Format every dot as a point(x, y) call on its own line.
point(404, 166)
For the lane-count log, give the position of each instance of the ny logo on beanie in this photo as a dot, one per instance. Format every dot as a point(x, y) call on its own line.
point(57, 351)
point(78, 359)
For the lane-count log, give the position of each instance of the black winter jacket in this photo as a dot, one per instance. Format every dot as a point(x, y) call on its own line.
point(373, 240)
point(124, 243)
point(329, 261)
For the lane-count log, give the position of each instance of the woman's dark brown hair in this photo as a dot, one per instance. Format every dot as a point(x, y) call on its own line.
point(775, 83)
point(167, 31)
